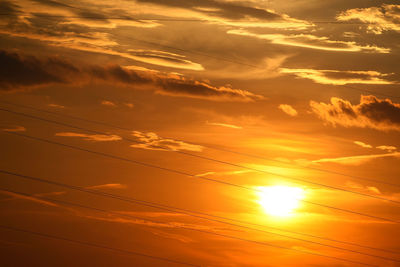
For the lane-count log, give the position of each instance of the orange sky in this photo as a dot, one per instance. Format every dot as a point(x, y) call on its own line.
point(198, 106)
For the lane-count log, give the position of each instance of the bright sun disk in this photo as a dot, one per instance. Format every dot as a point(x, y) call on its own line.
point(280, 201)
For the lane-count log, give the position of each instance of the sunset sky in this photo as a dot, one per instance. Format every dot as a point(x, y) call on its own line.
point(200, 133)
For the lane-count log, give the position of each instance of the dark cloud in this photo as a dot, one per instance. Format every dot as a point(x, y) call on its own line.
point(27, 71)
point(8, 8)
point(52, 3)
point(21, 72)
point(372, 112)
point(228, 10)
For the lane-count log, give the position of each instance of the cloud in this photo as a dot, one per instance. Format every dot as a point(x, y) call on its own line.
point(152, 141)
point(55, 106)
point(28, 198)
point(107, 186)
point(378, 19)
point(129, 105)
point(76, 37)
point(356, 160)
point(311, 41)
point(91, 137)
point(15, 129)
point(223, 125)
point(180, 86)
point(224, 173)
point(19, 72)
point(230, 13)
point(288, 109)
point(371, 189)
point(387, 148)
point(108, 103)
point(337, 77)
point(28, 71)
point(372, 112)
point(362, 144)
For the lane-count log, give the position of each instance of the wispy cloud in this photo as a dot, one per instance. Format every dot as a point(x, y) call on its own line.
point(337, 77)
point(107, 186)
point(223, 125)
point(15, 129)
point(28, 198)
point(371, 189)
point(52, 105)
point(108, 103)
point(356, 160)
point(224, 173)
point(387, 148)
point(362, 144)
point(91, 137)
point(312, 42)
point(152, 141)
point(288, 109)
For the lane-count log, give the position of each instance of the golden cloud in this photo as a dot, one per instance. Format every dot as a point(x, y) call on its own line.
point(312, 42)
point(337, 77)
point(91, 137)
point(288, 109)
point(379, 19)
point(152, 141)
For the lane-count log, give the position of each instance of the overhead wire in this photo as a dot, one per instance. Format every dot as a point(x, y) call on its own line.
point(200, 230)
point(192, 213)
point(207, 158)
point(183, 173)
point(95, 245)
point(213, 147)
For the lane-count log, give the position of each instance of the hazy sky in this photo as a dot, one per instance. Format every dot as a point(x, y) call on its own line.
point(304, 93)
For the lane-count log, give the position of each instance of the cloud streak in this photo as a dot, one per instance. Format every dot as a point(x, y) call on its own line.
point(356, 160)
point(338, 77)
point(224, 125)
point(91, 137)
point(311, 42)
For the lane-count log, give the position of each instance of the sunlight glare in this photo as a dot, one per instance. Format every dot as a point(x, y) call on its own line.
point(280, 201)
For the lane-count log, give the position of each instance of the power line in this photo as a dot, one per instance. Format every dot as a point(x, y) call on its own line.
point(194, 229)
point(136, 162)
point(65, 203)
point(95, 245)
point(207, 232)
point(208, 146)
point(209, 159)
point(191, 213)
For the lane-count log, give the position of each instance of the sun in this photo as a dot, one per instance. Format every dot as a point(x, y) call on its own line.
point(280, 201)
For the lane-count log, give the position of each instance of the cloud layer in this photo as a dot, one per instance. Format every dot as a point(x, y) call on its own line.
point(21, 71)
